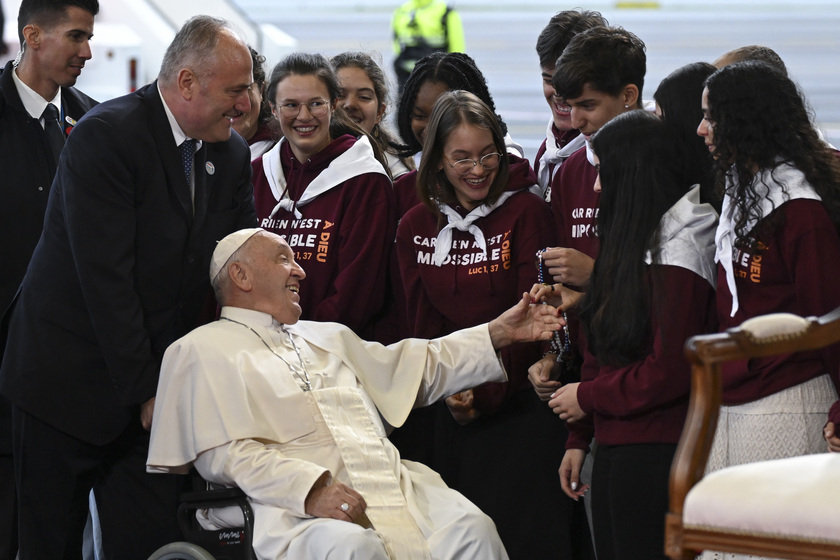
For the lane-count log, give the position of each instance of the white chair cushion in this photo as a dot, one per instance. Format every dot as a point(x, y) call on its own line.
point(775, 325)
point(797, 497)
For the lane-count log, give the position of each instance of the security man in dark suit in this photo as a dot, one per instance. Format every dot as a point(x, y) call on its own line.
point(146, 184)
point(54, 37)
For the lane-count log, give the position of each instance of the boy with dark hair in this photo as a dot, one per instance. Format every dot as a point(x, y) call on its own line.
point(561, 140)
point(54, 38)
point(599, 75)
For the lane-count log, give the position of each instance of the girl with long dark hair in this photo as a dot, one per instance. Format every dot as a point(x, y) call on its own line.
point(677, 104)
point(651, 288)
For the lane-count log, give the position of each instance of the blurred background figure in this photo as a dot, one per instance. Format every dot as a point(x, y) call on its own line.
point(752, 52)
point(421, 27)
point(258, 126)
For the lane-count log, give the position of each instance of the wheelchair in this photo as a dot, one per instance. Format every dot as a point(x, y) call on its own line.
point(205, 544)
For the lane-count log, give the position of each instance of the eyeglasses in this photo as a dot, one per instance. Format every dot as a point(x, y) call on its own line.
point(464, 166)
point(317, 108)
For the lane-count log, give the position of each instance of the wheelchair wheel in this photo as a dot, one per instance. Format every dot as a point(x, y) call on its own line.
point(181, 551)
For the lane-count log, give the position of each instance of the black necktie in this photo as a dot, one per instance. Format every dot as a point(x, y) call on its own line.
point(187, 148)
point(52, 126)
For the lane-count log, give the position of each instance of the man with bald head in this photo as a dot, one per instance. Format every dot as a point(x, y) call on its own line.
point(295, 414)
point(146, 184)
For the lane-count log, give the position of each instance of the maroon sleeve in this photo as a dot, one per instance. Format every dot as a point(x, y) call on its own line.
point(814, 258)
point(405, 192)
point(582, 431)
point(365, 233)
point(664, 375)
point(834, 413)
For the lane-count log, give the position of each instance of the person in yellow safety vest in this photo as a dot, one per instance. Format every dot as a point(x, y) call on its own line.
point(422, 27)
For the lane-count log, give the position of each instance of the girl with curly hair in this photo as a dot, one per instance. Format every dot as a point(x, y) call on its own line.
point(777, 250)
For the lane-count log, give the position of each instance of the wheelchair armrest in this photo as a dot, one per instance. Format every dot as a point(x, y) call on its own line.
point(227, 539)
point(201, 497)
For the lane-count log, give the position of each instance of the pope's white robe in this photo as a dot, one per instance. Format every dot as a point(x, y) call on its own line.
point(228, 404)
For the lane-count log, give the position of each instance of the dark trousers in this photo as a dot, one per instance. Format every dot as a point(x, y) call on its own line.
point(506, 464)
point(630, 500)
point(55, 473)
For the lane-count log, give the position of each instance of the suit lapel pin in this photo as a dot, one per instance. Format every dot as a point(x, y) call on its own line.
point(71, 122)
point(211, 169)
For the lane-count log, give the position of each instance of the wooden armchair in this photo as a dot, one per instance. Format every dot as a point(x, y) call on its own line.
point(787, 508)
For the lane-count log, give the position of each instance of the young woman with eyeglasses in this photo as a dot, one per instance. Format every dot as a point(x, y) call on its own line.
point(434, 75)
point(323, 189)
point(465, 253)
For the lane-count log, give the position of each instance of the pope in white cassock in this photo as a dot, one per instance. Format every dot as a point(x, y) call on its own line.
point(294, 414)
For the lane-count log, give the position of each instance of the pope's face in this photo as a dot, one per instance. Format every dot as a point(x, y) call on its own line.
point(276, 277)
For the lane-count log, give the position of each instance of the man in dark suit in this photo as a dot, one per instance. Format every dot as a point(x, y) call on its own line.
point(146, 185)
point(54, 38)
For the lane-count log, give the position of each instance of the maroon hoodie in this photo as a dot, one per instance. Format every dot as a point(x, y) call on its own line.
point(574, 203)
point(646, 401)
point(469, 289)
point(796, 272)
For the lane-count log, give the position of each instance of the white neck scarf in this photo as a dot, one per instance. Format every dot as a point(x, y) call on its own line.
point(767, 187)
point(590, 155)
point(357, 160)
point(554, 157)
point(444, 238)
point(687, 237)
